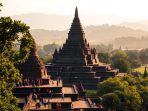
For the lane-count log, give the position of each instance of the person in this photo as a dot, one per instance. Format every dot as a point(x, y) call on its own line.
point(41, 100)
point(34, 97)
point(37, 105)
point(49, 105)
point(44, 102)
point(62, 95)
point(57, 106)
point(57, 82)
point(40, 104)
point(24, 82)
point(28, 81)
point(52, 82)
point(41, 82)
point(51, 95)
point(47, 90)
point(71, 105)
point(34, 90)
point(60, 106)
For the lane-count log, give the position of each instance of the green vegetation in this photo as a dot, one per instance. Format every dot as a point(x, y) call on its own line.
point(46, 52)
point(139, 69)
point(127, 60)
point(145, 73)
point(91, 93)
point(120, 61)
point(12, 33)
point(126, 93)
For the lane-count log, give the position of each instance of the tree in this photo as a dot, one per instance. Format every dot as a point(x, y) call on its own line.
point(134, 58)
point(8, 76)
point(127, 92)
point(120, 61)
point(105, 57)
point(110, 101)
point(145, 73)
point(144, 56)
point(50, 48)
point(110, 85)
point(101, 48)
point(144, 96)
point(12, 33)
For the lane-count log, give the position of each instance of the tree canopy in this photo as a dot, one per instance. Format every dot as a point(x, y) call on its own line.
point(120, 61)
point(126, 93)
point(13, 33)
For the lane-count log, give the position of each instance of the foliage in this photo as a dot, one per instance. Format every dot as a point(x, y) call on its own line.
point(91, 93)
point(12, 33)
point(120, 61)
point(8, 76)
point(140, 69)
point(134, 58)
point(110, 85)
point(144, 56)
point(101, 48)
point(110, 101)
point(46, 52)
point(131, 91)
point(50, 48)
point(105, 57)
point(145, 73)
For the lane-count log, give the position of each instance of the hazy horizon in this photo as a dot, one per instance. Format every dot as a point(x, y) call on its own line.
point(133, 10)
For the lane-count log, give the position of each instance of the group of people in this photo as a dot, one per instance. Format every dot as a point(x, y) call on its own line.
point(37, 82)
point(40, 101)
point(32, 82)
point(45, 102)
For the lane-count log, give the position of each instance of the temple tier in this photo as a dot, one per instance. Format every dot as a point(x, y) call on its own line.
point(76, 62)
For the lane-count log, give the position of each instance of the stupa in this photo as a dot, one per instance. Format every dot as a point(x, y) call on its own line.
point(33, 68)
point(76, 62)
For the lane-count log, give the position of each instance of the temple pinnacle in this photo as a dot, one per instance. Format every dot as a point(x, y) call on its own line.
point(76, 12)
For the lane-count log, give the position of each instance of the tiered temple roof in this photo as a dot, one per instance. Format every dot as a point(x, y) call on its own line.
point(76, 62)
point(33, 68)
point(76, 50)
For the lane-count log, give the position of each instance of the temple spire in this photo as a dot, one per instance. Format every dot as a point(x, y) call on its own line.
point(76, 12)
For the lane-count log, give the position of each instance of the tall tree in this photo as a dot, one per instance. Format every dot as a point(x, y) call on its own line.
point(120, 61)
point(11, 33)
point(111, 101)
point(145, 73)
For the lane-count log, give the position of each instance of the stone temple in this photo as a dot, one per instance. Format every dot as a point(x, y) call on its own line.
point(33, 68)
point(76, 62)
point(75, 67)
point(38, 92)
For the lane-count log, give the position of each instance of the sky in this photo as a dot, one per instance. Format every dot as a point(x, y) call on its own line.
point(137, 9)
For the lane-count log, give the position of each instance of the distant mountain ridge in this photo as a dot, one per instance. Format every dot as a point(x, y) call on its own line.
point(143, 25)
point(61, 22)
point(94, 34)
point(45, 28)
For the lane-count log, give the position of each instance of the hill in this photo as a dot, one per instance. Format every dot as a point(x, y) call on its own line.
point(143, 25)
point(94, 34)
point(61, 22)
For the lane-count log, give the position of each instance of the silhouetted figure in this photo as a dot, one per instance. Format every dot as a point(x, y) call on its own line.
point(34, 97)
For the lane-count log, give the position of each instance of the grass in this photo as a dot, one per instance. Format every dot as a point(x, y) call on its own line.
point(91, 93)
point(141, 69)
